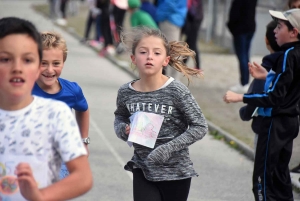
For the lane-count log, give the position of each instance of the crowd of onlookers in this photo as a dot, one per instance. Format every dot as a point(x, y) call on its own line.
point(174, 18)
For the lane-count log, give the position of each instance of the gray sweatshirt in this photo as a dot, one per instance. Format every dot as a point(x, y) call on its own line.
point(183, 125)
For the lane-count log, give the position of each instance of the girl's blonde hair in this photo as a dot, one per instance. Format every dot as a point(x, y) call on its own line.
point(177, 50)
point(54, 40)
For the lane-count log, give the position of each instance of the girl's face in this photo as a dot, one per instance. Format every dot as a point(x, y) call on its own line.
point(283, 35)
point(150, 56)
point(51, 67)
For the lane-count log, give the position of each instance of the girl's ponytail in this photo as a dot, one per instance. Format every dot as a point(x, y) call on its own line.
point(179, 51)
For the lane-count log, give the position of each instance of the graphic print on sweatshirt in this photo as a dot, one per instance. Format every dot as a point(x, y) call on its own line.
point(149, 107)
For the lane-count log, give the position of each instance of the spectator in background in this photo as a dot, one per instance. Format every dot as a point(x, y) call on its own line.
point(294, 4)
point(242, 26)
point(170, 16)
point(94, 17)
point(63, 7)
point(258, 85)
point(139, 17)
point(148, 7)
point(109, 48)
point(73, 7)
point(295, 172)
point(119, 10)
point(192, 25)
point(52, 6)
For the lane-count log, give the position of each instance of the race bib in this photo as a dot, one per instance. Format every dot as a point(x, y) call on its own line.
point(144, 128)
point(9, 188)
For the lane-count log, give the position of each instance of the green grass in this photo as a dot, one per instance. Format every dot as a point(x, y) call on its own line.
point(76, 22)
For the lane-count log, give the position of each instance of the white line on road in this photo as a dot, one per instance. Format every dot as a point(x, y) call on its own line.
point(109, 146)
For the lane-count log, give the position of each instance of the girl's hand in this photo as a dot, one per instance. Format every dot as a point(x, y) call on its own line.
point(127, 129)
point(231, 97)
point(257, 71)
point(27, 184)
point(159, 155)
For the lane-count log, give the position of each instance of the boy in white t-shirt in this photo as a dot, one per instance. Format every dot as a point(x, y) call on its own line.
point(36, 134)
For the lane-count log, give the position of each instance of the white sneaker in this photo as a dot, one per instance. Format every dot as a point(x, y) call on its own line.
point(295, 178)
point(61, 22)
point(240, 88)
point(111, 50)
point(97, 45)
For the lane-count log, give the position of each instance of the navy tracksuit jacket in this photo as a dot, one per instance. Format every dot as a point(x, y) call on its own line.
point(279, 107)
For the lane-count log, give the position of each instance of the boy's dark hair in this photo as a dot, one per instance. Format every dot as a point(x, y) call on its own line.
point(14, 25)
point(288, 24)
point(270, 35)
point(290, 27)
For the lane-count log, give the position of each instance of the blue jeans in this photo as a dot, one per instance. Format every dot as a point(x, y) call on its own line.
point(98, 27)
point(241, 44)
point(89, 22)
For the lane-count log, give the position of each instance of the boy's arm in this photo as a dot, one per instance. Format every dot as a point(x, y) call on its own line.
point(197, 130)
point(83, 121)
point(64, 189)
point(281, 82)
point(246, 112)
point(82, 112)
point(68, 188)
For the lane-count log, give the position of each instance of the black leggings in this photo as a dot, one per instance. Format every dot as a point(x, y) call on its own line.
point(144, 190)
point(119, 15)
point(63, 6)
point(191, 29)
point(105, 27)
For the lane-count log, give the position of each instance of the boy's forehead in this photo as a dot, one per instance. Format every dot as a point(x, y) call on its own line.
point(20, 42)
point(279, 21)
point(25, 38)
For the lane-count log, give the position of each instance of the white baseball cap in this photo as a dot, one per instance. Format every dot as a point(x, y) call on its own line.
point(293, 16)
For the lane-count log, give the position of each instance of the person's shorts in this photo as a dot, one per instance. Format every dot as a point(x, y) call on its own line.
point(63, 171)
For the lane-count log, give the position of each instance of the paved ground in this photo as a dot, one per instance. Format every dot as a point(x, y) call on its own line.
point(224, 174)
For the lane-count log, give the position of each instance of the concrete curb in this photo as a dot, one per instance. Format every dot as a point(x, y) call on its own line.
point(244, 148)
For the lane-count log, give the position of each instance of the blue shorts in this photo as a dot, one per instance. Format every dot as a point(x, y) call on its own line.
point(63, 171)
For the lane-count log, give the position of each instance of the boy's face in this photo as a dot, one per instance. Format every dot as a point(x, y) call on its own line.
point(283, 35)
point(51, 66)
point(295, 4)
point(19, 67)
